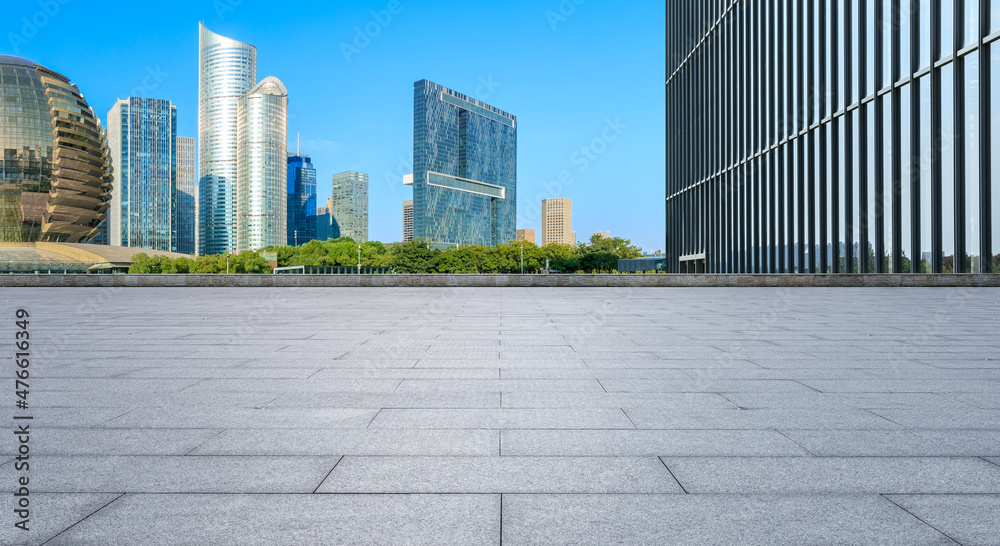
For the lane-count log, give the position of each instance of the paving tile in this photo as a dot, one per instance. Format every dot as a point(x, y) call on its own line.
point(175, 474)
point(595, 418)
point(388, 400)
point(818, 475)
point(898, 443)
point(679, 401)
point(133, 441)
point(500, 475)
point(298, 442)
point(710, 519)
point(596, 443)
point(499, 385)
point(291, 519)
point(770, 418)
point(702, 383)
point(199, 417)
point(967, 519)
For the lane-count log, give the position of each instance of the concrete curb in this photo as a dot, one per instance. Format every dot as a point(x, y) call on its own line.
point(443, 280)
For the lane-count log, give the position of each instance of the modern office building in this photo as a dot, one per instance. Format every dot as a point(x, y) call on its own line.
point(833, 137)
point(262, 166)
point(603, 234)
point(301, 201)
point(56, 169)
point(526, 235)
point(142, 134)
point(186, 194)
point(465, 168)
point(408, 220)
point(557, 221)
point(349, 206)
point(227, 70)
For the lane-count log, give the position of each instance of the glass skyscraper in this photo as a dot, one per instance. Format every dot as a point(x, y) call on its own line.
point(187, 190)
point(301, 199)
point(833, 137)
point(262, 173)
point(349, 206)
point(464, 169)
point(142, 133)
point(227, 70)
point(56, 169)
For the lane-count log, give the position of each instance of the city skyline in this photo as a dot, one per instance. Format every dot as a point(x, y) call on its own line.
point(367, 126)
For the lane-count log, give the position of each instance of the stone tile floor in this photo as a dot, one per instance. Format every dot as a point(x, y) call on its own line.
point(521, 416)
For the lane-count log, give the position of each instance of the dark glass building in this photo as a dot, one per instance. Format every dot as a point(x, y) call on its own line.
point(833, 136)
point(464, 169)
point(301, 199)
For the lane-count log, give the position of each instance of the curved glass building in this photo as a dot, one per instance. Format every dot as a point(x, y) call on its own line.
point(262, 166)
point(227, 70)
point(55, 178)
point(833, 136)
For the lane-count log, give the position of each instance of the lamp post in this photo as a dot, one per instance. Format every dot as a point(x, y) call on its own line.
point(522, 257)
point(359, 259)
point(227, 262)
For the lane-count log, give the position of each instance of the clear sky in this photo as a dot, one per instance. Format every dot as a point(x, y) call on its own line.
point(585, 79)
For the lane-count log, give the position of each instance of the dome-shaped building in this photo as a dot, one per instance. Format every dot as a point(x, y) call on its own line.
point(55, 178)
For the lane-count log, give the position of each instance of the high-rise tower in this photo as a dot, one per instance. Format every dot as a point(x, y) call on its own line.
point(227, 70)
point(261, 174)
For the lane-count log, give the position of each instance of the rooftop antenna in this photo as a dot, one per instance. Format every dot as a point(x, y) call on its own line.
point(297, 143)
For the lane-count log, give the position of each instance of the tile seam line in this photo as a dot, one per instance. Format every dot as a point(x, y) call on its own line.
point(894, 503)
point(664, 463)
point(53, 537)
point(321, 482)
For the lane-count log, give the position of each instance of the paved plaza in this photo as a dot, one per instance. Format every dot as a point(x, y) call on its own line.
point(507, 415)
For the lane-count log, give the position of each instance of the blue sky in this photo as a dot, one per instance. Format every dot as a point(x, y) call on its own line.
point(585, 79)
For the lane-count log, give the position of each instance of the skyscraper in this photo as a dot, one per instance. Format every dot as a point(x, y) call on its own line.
point(833, 137)
point(557, 221)
point(465, 168)
point(187, 190)
point(55, 177)
point(408, 220)
point(301, 199)
point(262, 166)
point(350, 206)
point(142, 133)
point(227, 69)
point(526, 235)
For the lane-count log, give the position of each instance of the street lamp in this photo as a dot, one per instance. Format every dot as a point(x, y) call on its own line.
point(359, 259)
point(522, 257)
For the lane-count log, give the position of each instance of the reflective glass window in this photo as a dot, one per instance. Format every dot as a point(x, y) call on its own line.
point(924, 34)
point(888, 188)
point(995, 154)
point(854, 203)
point(948, 168)
point(870, 52)
point(970, 23)
point(947, 28)
point(906, 9)
point(925, 165)
point(870, 219)
point(971, 136)
point(906, 177)
point(843, 213)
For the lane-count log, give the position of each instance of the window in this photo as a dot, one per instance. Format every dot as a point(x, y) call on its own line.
point(906, 178)
point(971, 140)
point(888, 185)
point(925, 157)
point(948, 168)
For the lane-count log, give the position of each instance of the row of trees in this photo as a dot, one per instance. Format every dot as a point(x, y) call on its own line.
point(596, 256)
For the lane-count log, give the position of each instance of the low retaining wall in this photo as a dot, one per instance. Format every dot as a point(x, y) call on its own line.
point(660, 280)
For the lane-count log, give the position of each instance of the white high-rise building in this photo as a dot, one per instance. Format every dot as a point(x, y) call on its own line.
point(227, 70)
point(408, 220)
point(261, 174)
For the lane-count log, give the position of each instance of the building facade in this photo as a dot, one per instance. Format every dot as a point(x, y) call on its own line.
point(557, 221)
point(526, 235)
point(142, 134)
point(833, 137)
point(465, 168)
point(227, 70)
point(301, 201)
point(349, 206)
point(407, 220)
point(186, 196)
point(262, 166)
point(56, 169)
